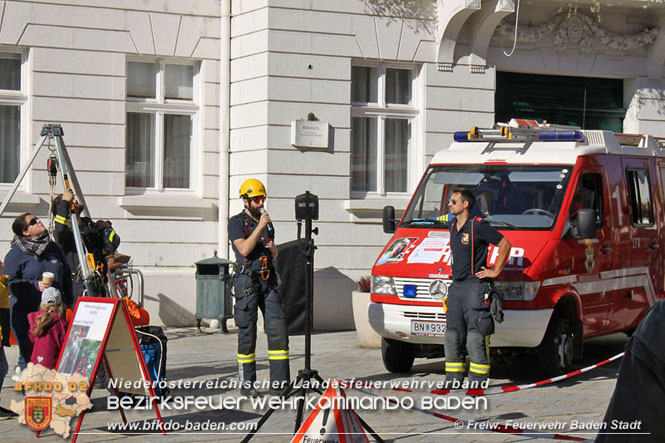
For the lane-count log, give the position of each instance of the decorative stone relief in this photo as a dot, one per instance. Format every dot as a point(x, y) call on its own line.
point(579, 30)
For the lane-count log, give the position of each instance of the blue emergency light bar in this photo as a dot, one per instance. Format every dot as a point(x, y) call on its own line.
point(543, 136)
point(561, 136)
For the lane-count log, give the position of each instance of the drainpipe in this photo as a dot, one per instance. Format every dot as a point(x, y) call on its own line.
point(224, 130)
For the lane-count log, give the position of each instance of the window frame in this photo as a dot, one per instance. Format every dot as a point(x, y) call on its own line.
point(161, 106)
point(382, 111)
point(598, 178)
point(631, 201)
point(19, 98)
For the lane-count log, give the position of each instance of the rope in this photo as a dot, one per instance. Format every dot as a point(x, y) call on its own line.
point(51, 183)
point(161, 353)
point(517, 17)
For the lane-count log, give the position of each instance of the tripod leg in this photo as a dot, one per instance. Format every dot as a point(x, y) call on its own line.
point(370, 430)
point(19, 179)
point(299, 411)
point(264, 418)
point(78, 240)
point(72, 175)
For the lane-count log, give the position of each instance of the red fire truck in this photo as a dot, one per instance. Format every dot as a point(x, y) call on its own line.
point(583, 211)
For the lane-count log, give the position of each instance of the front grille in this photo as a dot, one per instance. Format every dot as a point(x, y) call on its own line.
point(425, 315)
point(422, 287)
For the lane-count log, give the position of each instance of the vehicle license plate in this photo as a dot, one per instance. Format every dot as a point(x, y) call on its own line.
point(419, 327)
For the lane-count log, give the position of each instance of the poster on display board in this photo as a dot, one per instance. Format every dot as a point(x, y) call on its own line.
point(84, 341)
point(101, 333)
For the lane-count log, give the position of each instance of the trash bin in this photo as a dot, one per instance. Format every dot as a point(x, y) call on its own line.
point(213, 299)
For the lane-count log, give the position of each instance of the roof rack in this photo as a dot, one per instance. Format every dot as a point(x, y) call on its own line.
point(640, 141)
point(629, 139)
point(521, 130)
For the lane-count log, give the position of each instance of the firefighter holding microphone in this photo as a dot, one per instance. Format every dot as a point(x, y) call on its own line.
point(255, 286)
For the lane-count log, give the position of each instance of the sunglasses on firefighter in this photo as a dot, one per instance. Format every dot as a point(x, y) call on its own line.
point(258, 198)
point(33, 221)
point(453, 201)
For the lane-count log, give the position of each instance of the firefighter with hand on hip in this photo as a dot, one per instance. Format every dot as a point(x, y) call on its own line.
point(469, 320)
point(255, 285)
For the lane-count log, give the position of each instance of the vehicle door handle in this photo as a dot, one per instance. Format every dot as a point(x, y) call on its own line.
point(605, 250)
point(653, 245)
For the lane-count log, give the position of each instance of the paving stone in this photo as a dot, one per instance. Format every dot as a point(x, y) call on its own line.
point(193, 356)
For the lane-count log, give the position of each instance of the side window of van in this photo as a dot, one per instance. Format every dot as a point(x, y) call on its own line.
point(588, 195)
point(427, 203)
point(639, 191)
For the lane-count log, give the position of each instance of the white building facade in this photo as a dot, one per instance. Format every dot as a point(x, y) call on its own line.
point(168, 105)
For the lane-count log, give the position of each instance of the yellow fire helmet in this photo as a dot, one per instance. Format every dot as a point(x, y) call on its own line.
point(252, 188)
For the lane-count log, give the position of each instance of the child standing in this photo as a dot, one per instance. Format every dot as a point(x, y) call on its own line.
point(48, 329)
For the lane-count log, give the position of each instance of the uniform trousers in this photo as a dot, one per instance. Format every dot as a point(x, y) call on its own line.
point(469, 325)
point(253, 293)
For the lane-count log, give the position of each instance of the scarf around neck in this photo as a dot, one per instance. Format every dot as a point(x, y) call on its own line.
point(32, 245)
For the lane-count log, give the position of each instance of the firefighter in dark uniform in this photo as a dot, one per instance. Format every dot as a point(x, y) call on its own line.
point(636, 410)
point(469, 321)
point(255, 286)
point(65, 237)
point(99, 237)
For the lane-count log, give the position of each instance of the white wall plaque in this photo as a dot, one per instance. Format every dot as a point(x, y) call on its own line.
point(310, 134)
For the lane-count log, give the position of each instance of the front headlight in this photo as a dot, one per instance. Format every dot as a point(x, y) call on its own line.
point(383, 285)
point(518, 290)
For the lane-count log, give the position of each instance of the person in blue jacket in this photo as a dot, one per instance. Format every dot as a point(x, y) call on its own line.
point(33, 253)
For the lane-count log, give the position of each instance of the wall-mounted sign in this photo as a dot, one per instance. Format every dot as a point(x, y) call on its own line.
point(310, 134)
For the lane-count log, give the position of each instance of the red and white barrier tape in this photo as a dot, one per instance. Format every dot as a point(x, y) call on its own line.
point(495, 427)
point(481, 391)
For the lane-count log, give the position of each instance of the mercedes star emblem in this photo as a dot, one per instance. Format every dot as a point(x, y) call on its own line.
point(438, 289)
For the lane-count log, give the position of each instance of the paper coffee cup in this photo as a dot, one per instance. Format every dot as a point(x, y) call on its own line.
point(47, 277)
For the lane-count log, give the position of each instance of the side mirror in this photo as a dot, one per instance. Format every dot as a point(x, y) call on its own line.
point(586, 223)
point(389, 222)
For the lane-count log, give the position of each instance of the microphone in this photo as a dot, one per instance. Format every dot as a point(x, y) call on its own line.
point(271, 228)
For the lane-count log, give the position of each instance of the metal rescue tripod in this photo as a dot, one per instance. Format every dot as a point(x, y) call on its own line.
point(308, 379)
point(59, 154)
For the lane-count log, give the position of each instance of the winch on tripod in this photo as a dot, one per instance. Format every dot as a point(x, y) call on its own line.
point(59, 163)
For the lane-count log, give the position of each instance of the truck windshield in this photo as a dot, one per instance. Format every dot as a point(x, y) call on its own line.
point(508, 196)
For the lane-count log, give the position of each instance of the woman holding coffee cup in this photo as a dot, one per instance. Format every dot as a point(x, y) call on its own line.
point(33, 264)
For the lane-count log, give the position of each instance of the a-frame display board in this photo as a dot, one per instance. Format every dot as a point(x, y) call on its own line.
point(102, 333)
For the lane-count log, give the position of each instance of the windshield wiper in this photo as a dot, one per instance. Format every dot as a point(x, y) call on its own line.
point(418, 221)
point(425, 221)
point(502, 223)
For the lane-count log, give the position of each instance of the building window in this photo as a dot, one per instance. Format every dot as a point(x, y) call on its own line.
point(383, 114)
point(161, 115)
point(12, 102)
point(590, 103)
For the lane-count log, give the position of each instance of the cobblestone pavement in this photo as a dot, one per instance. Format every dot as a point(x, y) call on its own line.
point(193, 356)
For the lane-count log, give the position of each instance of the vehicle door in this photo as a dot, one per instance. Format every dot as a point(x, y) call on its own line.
point(593, 256)
point(659, 205)
point(644, 251)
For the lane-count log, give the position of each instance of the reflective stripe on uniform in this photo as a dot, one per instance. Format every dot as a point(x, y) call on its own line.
point(62, 220)
point(278, 355)
point(479, 369)
point(249, 358)
point(454, 367)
